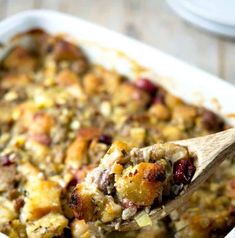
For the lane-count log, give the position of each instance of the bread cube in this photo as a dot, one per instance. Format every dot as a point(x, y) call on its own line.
point(20, 60)
point(76, 154)
point(81, 203)
point(41, 123)
point(7, 211)
point(80, 228)
point(111, 211)
point(67, 78)
point(48, 226)
point(141, 184)
point(15, 80)
point(42, 197)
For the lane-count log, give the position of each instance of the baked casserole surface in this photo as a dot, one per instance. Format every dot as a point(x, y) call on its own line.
point(59, 115)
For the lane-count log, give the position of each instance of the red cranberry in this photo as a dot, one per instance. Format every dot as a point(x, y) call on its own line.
point(183, 171)
point(105, 139)
point(211, 121)
point(191, 169)
point(73, 182)
point(6, 160)
point(146, 85)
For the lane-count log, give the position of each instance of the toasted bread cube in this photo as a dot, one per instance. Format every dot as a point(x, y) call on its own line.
point(118, 145)
point(24, 113)
point(17, 230)
point(29, 171)
point(81, 203)
point(7, 211)
point(185, 114)
point(172, 101)
point(40, 151)
point(6, 113)
point(80, 228)
point(21, 60)
point(110, 78)
point(14, 80)
point(160, 111)
point(88, 133)
point(64, 50)
point(93, 84)
point(48, 226)
point(137, 137)
point(141, 184)
point(131, 96)
point(111, 211)
point(172, 133)
point(67, 78)
point(41, 123)
point(42, 197)
point(76, 154)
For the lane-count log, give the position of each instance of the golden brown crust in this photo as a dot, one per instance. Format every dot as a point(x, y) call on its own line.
point(63, 50)
point(20, 60)
point(59, 114)
point(81, 203)
point(141, 184)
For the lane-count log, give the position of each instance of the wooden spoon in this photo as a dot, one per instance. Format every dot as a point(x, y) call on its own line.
point(210, 151)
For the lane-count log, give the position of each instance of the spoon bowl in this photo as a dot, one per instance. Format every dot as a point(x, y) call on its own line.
point(210, 151)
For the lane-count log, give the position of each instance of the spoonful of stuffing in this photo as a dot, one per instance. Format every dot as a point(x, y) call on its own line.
point(132, 187)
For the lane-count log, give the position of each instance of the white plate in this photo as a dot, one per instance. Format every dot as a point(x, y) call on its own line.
point(107, 47)
point(217, 16)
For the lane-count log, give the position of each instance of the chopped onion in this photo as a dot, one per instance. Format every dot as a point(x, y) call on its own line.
point(143, 219)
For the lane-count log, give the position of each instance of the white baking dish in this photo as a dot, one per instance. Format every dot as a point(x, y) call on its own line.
point(124, 54)
point(107, 47)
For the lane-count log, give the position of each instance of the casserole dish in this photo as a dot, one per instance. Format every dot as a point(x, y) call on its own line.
point(107, 49)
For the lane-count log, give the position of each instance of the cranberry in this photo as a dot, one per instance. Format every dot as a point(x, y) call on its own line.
point(73, 182)
point(183, 171)
point(211, 121)
point(6, 160)
point(191, 169)
point(146, 85)
point(105, 139)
